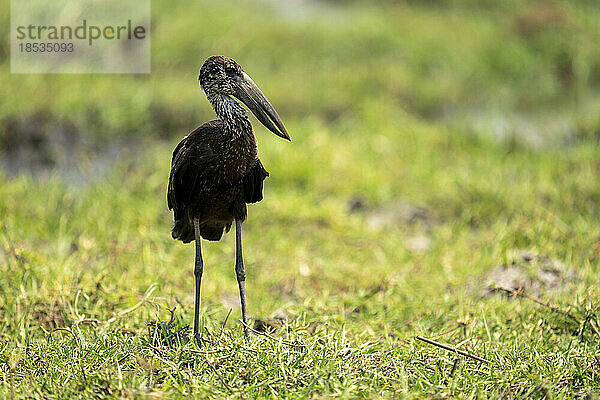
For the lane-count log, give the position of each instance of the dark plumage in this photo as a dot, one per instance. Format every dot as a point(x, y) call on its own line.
point(215, 170)
point(212, 178)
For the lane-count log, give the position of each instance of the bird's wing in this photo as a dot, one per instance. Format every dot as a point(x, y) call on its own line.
point(191, 159)
point(253, 183)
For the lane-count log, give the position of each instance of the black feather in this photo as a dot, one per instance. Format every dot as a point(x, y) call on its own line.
point(253, 183)
point(208, 183)
point(183, 230)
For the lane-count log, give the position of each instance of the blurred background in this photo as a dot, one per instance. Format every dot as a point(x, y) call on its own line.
point(417, 126)
point(514, 70)
point(437, 146)
point(399, 110)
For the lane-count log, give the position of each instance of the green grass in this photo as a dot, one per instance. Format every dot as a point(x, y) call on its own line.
point(354, 297)
point(89, 272)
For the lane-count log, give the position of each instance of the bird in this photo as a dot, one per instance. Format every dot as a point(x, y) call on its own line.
point(215, 169)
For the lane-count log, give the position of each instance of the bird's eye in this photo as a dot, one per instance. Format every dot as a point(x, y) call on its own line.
point(229, 70)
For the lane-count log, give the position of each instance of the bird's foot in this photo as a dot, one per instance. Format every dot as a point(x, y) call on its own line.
point(198, 339)
point(246, 334)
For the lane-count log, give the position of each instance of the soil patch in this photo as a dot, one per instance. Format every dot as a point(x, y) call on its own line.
point(49, 315)
point(270, 325)
point(531, 273)
point(399, 213)
point(42, 147)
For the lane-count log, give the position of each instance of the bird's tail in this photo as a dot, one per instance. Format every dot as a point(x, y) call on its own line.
point(183, 230)
point(212, 231)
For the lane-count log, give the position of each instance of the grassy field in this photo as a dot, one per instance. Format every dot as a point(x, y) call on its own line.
point(439, 150)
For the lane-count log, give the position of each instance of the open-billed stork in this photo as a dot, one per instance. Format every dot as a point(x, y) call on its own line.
point(215, 170)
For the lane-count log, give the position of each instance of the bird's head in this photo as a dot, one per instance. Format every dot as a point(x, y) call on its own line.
point(222, 75)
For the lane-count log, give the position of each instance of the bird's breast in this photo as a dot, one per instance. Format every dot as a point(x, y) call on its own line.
point(236, 157)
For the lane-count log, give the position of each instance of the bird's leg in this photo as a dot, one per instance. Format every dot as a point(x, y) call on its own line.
point(198, 267)
point(240, 273)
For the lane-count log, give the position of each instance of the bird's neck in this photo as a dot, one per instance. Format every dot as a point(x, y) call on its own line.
point(232, 114)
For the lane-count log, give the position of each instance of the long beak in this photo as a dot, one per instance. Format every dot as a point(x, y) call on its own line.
point(251, 96)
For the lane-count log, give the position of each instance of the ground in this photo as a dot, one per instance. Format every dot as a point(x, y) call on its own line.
point(442, 182)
